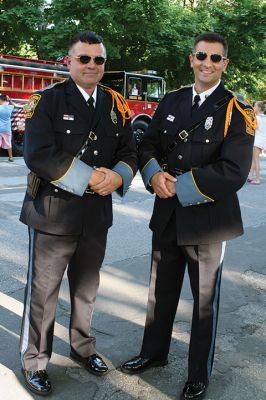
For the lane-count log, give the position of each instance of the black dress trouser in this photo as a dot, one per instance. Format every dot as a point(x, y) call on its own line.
point(49, 256)
point(168, 265)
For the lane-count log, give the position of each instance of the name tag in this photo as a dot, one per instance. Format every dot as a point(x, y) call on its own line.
point(68, 117)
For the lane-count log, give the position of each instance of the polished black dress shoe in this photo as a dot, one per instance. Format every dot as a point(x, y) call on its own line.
point(194, 390)
point(139, 364)
point(38, 382)
point(94, 364)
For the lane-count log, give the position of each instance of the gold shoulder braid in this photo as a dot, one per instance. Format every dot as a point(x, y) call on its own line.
point(248, 114)
point(121, 105)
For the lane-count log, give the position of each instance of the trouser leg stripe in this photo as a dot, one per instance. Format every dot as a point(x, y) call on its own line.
point(215, 307)
point(26, 326)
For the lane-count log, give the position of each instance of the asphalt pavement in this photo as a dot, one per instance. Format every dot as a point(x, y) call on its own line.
point(240, 360)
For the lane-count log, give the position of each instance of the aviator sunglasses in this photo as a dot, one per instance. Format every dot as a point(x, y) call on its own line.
point(83, 59)
point(201, 56)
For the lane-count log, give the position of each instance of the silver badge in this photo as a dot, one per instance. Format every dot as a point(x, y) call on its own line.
point(208, 123)
point(113, 117)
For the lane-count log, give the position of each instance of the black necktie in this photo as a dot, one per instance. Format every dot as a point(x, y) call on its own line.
point(90, 102)
point(91, 109)
point(195, 104)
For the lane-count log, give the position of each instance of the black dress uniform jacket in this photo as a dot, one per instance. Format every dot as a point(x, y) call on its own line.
point(57, 129)
point(220, 165)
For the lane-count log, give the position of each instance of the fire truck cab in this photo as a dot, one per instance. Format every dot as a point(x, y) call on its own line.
point(142, 93)
point(20, 77)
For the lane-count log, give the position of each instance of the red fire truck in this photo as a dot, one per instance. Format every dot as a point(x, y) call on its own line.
point(20, 77)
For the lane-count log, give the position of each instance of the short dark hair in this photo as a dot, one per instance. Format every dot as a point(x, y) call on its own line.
point(212, 37)
point(86, 37)
point(4, 97)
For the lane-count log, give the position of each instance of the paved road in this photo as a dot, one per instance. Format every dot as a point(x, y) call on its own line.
point(240, 366)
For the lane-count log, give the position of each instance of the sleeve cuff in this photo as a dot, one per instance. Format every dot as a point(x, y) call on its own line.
point(188, 192)
point(76, 178)
point(149, 170)
point(125, 171)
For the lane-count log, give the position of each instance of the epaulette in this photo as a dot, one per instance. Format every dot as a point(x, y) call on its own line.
point(54, 85)
point(34, 99)
point(241, 99)
point(181, 88)
point(121, 105)
point(247, 112)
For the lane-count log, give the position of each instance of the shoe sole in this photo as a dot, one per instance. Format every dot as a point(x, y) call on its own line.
point(200, 397)
point(35, 391)
point(81, 363)
point(152, 365)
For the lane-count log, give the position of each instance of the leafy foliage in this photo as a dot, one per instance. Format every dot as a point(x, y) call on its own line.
point(144, 34)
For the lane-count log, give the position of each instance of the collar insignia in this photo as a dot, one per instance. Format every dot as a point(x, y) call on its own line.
point(170, 118)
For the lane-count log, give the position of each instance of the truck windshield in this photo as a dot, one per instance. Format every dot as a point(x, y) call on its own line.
point(154, 89)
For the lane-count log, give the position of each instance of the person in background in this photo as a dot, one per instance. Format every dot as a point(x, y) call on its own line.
point(134, 90)
point(195, 156)
point(259, 143)
point(5, 125)
point(80, 148)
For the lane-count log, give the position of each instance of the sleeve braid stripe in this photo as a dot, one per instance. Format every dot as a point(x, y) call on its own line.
point(196, 186)
point(59, 179)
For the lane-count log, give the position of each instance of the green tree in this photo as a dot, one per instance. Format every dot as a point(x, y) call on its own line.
point(243, 23)
point(144, 34)
point(22, 25)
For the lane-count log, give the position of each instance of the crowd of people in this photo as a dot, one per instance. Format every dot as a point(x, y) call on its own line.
point(79, 147)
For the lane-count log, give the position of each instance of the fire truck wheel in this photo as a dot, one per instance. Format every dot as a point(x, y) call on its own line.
point(17, 144)
point(139, 128)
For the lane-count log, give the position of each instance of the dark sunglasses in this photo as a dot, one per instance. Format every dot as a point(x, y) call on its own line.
point(201, 56)
point(98, 60)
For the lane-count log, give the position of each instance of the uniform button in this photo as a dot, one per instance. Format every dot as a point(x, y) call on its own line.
point(165, 131)
point(96, 152)
point(207, 141)
point(180, 157)
point(56, 190)
point(185, 140)
point(68, 131)
point(117, 134)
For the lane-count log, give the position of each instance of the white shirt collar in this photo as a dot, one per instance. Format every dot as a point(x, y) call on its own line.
point(87, 96)
point(203, 96)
